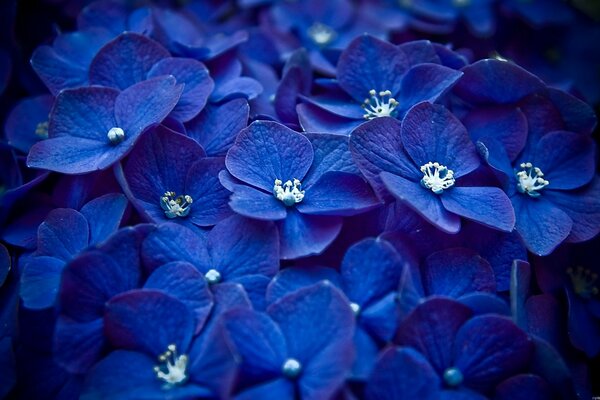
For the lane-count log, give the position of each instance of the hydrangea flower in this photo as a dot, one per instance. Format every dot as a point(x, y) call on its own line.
point(303, 344)
point(28, 122)
point(421, 162)
point(92, 128)
point(278, 176)
point(376, 79)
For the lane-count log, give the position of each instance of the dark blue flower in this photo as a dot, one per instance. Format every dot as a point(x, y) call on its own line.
point(94, 127)
point(278, 176)
point(27, 123)
point(421, 163)
point(303, 344)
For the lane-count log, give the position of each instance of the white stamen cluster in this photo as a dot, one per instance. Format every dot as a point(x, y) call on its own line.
point(115, 135)
point(176, 206)
point(212, 276)
point(41, 130)
point(380, 104)
point(321, 34)
point(289, 192)
point(437, 177)
point(291, 368)
point(175, 367)
point(531, 180)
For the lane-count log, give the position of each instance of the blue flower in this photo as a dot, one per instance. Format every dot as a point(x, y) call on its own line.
point(277, 175)
point(303, 343)
point(421, 163)
point(92, 128)
point(27, 123)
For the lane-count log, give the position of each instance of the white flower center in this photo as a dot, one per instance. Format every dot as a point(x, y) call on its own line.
point(321, 34)
point(176, 206)
point(212, 276)
point(437, 177)
point(380, 104)
point(355, 308)
point(289, 192)
point(531, 180)
point(291, 368)
point(115, 135)
point(41, 130)
point(583, 281)
point(172, 367)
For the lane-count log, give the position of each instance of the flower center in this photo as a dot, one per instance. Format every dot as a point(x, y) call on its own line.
point(291, 368)
point(172, 367)
point(176, 206)
point(115, 135)
point(531, 180)
point(289, 192)
point(583, 281)
point(437, 177)
point(461, 3)
point(321, 34)
point(453, 376)
point(212, 276)
point(41, 130)
point(355, 308)
point(380, 104)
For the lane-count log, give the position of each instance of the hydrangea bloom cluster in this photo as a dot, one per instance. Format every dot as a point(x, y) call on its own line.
point(256, 199)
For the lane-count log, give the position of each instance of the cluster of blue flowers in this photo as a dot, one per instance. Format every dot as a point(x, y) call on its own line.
point(299, 199)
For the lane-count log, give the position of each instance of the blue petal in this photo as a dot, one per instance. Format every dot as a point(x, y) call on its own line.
point(243, 86)
point(63, 234)
point(380, 318)
point(370, 270)
point(338, 193)
point(332, 153)
point(198, 84)
point(104, 215)
point(423, 201)
point(489, 348)
point(202, 183)
point(302, 235)
point(402, 373)
point(217, 126)
point(259, 342)
point(281, 389)
point(148, 321)
point(254, 203)
point(485, 303)
point(431, 329)
point(487, 205)
point(256, 289)
point(369, 63)
point(184, 282)
point(425, 82)
point(314, 119)
point(431, 133)
point(583, 328)
point(291, 279)
point(40, 281)
point(78, 345)
point(524, 387)
point(366, 354)
point(125, 61)
point(22, 123)
point(266, 151)
point(455, 272)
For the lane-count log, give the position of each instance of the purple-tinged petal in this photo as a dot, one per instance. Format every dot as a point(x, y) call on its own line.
point(78, 345)
point(400, 373)
point(253, 203)
point(63, 234)
point(566, 159)
point(489, 349)
point(148, 321)
point(104, 215)
point(125, 61)
point(425, 82)
point(145, 104)
point(318, 326)
point(296, 79)
point(485, 303)
point(243, 86)
point(210, 197)
point(314, 119)
point(259, 342)
point(370, 270)
point(458, 271)
point(183, 281)
point(376, 146)
point(523, 387)
point(302, 235)
point(496, 82)
point(198, 84)
point(419, 52)
point(577, 115)
point(487, 205)
point(339, 104)
point(239, 246)
point(423, 201)
point(338, 193)
point(291, 279)
point(431, 329)
point(542, 225)
point(431, 133)
point(217, 126)
point(266, 151)
point(369, 63)
point(27, 123)
point(507, 125)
